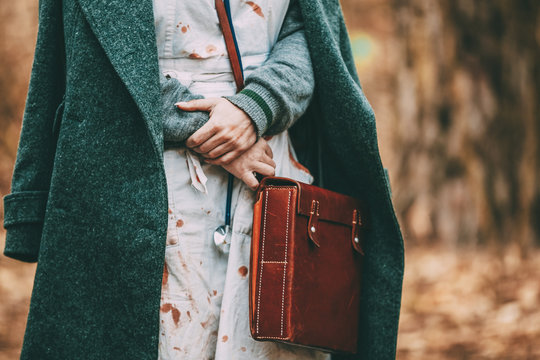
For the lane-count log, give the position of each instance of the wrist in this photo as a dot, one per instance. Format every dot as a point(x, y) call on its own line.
point(258, 103)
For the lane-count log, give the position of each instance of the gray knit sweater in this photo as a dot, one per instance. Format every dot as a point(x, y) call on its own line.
point(276, 94)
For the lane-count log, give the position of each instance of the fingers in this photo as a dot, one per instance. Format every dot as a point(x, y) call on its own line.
point(198, 104)
point(200, 136)
point(264, 145)
point(264, 169)
point(250, 180)
point(210, 161)
point(211, 145)
point(217, 151)
point(269, 161)
point(228, 149)
point(221, 143)
point(230, 156)
point(268, 151)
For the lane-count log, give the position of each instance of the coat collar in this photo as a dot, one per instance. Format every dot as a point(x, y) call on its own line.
point(126, 32)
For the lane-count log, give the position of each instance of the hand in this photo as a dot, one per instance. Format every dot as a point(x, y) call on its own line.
point(258, 159)
point(228, 133)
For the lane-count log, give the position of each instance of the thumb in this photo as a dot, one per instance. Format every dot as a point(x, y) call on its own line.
point(198, 104)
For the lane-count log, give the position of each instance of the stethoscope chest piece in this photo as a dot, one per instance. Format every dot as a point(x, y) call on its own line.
point(222, 238)
point(222, 235)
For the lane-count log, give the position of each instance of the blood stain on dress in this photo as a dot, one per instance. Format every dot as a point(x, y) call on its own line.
point(189, 315)
point(215, 292)
point(194, 55)
point(208, 299)
point(176, 316)
point(177, 348)
point(165, 275)
point(183, 262)
point(179, 223)
point(192, 302)
point(171, 241)
point(211, 49)
point(256, 8)
point(243, 271)
point(175, 312)
point(169, 211)
point(166, 308)
point(243, 349)
point(224, 338)
point(204, 324)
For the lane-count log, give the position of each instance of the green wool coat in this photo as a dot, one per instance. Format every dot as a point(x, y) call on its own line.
point(89, 195)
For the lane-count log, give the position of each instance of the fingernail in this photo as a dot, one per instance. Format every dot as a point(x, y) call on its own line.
point(181, 103)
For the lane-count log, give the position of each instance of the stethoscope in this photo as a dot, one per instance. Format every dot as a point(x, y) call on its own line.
point(223, 233)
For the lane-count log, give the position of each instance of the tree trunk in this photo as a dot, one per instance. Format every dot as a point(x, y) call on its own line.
point(455, 86)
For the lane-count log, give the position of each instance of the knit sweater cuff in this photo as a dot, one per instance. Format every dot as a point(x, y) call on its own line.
point(259, 103)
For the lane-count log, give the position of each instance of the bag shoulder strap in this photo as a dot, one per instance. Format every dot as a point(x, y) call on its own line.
point(230, 43)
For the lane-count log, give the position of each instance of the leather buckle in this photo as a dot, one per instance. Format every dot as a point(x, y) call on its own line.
point(356, 235)
point(314, 222)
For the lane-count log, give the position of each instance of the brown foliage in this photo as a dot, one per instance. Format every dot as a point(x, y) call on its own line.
point(18, 28)
point(455, 86)
point(470, 304)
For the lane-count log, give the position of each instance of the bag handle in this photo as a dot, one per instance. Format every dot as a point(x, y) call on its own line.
point(230, 43)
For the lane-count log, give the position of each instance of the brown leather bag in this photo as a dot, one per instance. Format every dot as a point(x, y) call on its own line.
point(306, 255)
point(306, 260)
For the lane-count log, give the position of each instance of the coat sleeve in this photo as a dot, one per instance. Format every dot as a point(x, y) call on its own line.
point(279, 91)
point(24, 207)
point(178, 124)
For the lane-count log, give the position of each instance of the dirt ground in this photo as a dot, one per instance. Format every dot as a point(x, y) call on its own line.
point(456, 305)
point(470, 305)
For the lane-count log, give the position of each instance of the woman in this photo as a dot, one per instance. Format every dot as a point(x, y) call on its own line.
point(89, 191)
point(204, 302)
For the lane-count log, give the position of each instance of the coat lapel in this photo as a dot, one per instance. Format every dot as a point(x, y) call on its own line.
point(125, 29)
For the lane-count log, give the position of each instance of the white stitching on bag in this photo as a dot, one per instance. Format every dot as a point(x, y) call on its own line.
point(262, 261)
point(285, 267)
point(285, 262)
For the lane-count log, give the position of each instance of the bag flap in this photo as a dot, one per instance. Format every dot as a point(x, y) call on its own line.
point(332, 206)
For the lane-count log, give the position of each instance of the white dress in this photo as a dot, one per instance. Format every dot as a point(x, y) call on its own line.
point(204, 302)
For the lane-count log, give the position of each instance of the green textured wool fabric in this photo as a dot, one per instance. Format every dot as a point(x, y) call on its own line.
point(89, 199)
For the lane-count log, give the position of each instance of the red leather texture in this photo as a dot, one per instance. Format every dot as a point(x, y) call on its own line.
point(306, 260)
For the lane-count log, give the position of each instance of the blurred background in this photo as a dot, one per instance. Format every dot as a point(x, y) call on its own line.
point(455, 85)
